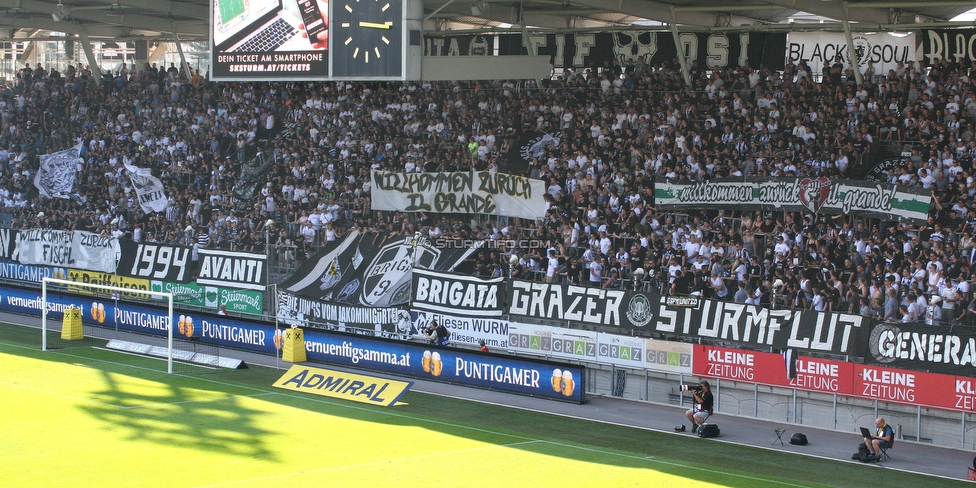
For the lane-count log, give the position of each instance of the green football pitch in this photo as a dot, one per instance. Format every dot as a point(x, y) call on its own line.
point(91, 417)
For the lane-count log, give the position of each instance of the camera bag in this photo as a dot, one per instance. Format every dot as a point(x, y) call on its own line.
point(798, 439)
point(708, 430)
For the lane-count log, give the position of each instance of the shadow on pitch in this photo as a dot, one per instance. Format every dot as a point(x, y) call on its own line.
point(180, 416)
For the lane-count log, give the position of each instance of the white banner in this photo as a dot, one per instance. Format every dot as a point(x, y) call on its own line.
point(56, 175)
point(553, 341)
point(70, 249)
point(621, 350)
point(149, 190)
point(469, 192)
point(672, 357)
point(465, 330)
point(883, 49)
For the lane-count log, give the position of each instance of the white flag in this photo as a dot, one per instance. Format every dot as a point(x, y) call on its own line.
point(56, 176)
point(149, 190)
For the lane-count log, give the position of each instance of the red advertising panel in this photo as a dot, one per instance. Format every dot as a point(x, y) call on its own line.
point(828, 376)
point(785, 370)
point(903, 386)
point(965, 394)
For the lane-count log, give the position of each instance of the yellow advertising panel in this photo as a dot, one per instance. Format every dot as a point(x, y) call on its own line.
point(339, 384)
point(107, 279)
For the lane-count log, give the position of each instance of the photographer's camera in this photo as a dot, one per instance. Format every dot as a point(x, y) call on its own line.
point(697, 388)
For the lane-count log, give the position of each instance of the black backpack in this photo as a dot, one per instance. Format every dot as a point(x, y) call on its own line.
point(443, 333)
point(798, 439)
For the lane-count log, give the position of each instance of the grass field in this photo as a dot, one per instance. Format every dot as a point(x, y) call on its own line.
point(91, 417)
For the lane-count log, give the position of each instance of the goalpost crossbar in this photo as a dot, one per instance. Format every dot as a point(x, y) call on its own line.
point(114, 289)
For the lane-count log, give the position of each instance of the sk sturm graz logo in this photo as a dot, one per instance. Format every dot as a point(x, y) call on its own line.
point(639, 311)
point(479, 47)
point(882, 342)
point(387, 279)
point(814, 192)
point(432, 363)
point(862, 48)
point(186, 325)
point(98, 312)
point(562, 382)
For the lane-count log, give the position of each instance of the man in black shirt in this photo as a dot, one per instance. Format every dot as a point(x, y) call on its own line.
point(702, 409)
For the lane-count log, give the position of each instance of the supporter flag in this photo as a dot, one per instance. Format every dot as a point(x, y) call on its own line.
point(530, 145)
point(149, 189)
point(56, 176)
point(252, 175)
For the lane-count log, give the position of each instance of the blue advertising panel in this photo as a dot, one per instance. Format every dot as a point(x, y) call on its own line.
point(537, 378)
point(12, 270)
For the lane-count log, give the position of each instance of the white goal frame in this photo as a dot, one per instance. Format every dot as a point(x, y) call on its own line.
point(113, 289)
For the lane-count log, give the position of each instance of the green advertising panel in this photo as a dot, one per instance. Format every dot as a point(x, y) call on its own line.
point(212, 297)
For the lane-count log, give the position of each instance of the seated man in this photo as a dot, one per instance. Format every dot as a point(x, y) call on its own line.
point(703, 406)
point(881, 440)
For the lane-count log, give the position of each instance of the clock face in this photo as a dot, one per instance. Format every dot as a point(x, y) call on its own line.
point(367, 38)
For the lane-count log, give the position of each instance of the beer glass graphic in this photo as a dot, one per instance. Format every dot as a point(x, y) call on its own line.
point(101, 313)
point(435, 363)
point(557, 380)
point(182, 324)
point(426, 362)
point(568, 384)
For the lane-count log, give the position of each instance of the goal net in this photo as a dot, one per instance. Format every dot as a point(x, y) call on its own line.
point(84, 315)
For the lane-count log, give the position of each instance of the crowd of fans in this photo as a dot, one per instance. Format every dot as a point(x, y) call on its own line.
point(616, 129)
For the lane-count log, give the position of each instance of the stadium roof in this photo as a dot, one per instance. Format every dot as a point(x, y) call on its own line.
point(127, 20)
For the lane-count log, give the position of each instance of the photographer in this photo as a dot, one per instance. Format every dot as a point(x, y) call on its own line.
point(703, 405)
point(437, 334)
point(881, 440)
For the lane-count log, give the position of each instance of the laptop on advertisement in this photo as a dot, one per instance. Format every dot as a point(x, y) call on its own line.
point(256, 26)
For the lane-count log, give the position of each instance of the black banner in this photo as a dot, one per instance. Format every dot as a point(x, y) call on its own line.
point(456, 294)
point(371, 269)
point(954, 45)
point(691, 317)
point(594, 306)
point(233, 269)
point(155, 262)
point(945, 349)
point(389, 322)
point(530, 145)
point(7, 241)
point(715, 50)
point(826, 332)
point(468, 45)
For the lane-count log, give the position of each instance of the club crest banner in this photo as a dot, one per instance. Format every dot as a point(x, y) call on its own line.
point(370, 269)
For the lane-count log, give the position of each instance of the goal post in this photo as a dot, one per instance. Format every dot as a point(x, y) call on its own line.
point(75, 290)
